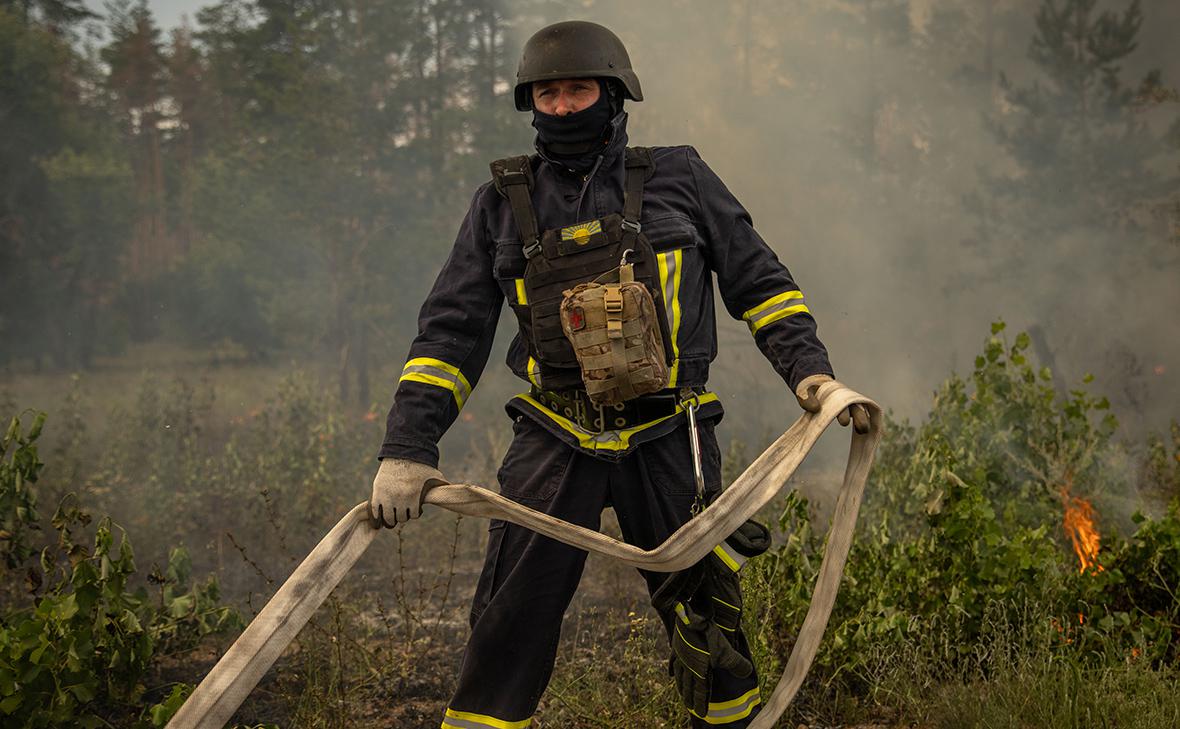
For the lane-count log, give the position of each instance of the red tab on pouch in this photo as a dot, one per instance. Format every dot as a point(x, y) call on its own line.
point(577, 319)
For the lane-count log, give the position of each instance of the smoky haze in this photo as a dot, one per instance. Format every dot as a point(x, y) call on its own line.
point(857, 134)
point(887, 150)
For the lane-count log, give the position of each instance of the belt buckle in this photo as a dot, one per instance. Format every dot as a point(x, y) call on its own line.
point(583, 413)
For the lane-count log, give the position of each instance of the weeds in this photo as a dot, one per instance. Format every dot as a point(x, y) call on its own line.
point(76, 653)
point(962, 604)
point(961, 574)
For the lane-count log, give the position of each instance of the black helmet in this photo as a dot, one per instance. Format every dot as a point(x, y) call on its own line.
point(574, 49)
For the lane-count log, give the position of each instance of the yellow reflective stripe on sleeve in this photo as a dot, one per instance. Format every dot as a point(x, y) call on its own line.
point(522, 298)
point(428, 379)
point(468, 720)
point(680, 613)
point(775, 308)
point(727, 712)
point(608, 440)
point(430, 371)
point(534, 372)
point(670, 264)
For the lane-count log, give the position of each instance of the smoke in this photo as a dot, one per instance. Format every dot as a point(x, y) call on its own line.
point(857, 134)
point(861, 135)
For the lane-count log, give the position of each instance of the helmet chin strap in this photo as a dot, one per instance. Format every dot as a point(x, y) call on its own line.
point(614, 95)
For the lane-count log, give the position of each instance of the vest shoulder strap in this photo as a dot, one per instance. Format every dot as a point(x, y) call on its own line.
point(513, 177)
point(639, 168)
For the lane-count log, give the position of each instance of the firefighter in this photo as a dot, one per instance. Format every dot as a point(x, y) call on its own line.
point(629, 425)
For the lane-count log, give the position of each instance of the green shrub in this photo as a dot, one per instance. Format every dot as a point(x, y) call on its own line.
point(961, 530)
point(77, 654)
point(18, 506)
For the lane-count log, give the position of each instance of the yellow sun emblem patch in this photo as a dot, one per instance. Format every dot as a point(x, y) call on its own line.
point(581, 232)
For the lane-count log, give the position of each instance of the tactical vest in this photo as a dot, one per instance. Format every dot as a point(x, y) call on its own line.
point(560, 259)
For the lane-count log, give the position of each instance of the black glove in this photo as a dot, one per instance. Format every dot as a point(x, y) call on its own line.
point(712, 586)
point(720, 582)
point(699, 647)
point(704, 604)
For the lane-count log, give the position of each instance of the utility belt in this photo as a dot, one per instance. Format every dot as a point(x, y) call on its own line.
point(576, 405)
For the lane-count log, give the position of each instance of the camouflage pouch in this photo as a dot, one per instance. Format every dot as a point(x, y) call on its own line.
point(615, 332)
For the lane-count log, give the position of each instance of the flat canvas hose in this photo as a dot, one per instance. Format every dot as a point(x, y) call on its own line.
point(216, 699)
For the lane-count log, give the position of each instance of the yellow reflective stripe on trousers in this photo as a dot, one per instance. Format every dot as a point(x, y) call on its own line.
point(534, 372)
point(430, 371)
point(467, 720)
point(775, 308)
point(670, 264)
point(608, 440)
point(727, 712)
point(522, 297)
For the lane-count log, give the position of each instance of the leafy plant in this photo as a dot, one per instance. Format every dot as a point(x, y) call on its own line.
point(78, 653)
point(18, 505)
point(960, 533)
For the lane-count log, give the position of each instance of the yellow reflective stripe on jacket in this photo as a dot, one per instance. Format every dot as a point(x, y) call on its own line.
point(727, 712)
point(440, 374)
point(670, 264)
point(467, 720)
point(535, 372)
point(608, 440)
point(522, 297)
point(775, 308)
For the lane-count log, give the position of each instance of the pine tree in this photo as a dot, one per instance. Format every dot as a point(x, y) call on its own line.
point(191, 105)
point(1084, 155)
point(61, 198)
point(137, 79)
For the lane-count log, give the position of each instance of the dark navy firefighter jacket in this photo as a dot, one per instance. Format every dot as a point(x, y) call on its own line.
point(697, 228)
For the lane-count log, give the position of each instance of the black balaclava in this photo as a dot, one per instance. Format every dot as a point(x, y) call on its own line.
point(576, 139)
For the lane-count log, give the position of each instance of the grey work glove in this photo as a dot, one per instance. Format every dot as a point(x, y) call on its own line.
point(805, 393)
point(398, 490)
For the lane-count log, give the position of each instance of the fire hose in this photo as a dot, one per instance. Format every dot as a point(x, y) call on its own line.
point(219, 695)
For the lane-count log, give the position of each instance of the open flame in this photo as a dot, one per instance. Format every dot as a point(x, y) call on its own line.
point(1079, 527)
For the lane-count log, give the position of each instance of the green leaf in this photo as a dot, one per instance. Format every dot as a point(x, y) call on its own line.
point(35, 431)
point(66, 608)
point(11, 703)
point(83, 692)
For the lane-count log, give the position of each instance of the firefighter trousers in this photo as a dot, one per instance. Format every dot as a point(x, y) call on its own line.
point(528, 580)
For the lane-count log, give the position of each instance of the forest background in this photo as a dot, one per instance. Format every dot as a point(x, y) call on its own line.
point(214, 241)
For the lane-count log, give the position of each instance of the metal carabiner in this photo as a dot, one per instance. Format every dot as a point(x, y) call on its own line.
point(694, 445)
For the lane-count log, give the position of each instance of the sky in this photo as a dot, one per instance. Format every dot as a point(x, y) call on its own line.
point(167, 12)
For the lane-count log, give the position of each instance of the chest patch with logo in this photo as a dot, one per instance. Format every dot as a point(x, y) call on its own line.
point(580, 233)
